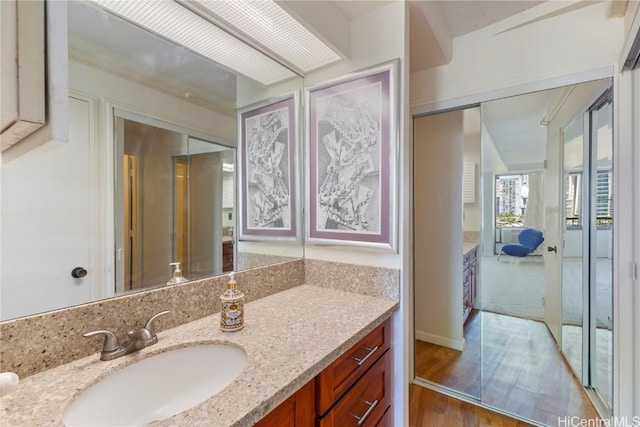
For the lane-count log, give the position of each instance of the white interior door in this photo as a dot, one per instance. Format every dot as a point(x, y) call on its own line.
point(553, 215)
point(56, 182)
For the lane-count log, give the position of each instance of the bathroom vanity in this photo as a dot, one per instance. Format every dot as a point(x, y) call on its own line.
point(353, 390)
point(301, 342)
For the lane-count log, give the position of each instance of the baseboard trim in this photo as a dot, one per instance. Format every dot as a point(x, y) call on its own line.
point(438, 340)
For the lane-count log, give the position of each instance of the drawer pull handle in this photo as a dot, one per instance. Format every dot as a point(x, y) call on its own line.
point(364, 416)
point(364, 359)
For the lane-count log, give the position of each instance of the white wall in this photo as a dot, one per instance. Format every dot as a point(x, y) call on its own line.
point(491, 165)
point(499, 57)
point(573, 244)
point(152, 103)
point(438, 150)
point(626, 237)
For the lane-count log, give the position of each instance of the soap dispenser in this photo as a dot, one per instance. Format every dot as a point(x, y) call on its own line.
point(177, 275)
point(232, 309)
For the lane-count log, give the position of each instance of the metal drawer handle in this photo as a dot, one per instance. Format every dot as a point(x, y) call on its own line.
point(364, 359)
point(364, 416)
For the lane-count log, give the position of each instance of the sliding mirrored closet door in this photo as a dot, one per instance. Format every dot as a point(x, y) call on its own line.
point(587, 297)
point(503, 349)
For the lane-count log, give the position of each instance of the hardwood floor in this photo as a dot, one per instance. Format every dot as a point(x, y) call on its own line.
point(521, 370)
point(458, 370)
point(429, 408)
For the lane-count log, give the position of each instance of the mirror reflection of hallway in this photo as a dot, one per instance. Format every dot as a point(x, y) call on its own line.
point(506, 354)
point(170, 204)
point(448, 326)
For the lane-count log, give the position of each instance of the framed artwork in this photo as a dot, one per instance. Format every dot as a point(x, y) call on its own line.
point(351, 159)
point(267, 151)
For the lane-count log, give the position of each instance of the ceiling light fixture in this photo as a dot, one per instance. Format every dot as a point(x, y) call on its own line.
point(176, 23)
point(266, 24)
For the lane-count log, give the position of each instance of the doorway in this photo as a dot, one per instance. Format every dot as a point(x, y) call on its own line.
point(517, 364)
point(131, 207)
point(181, 213)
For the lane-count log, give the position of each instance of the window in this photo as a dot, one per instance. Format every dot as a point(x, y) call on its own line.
point(512, 192)
point(603, 194)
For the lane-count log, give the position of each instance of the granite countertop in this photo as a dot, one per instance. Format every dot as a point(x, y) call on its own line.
point(468, 246)
point(289, 338)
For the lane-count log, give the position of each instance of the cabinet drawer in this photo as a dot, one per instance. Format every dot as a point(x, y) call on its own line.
point(366, 403)
point(336, 379)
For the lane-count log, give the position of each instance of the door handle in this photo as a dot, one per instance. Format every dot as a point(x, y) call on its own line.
point(552, 249)
point(78, 273)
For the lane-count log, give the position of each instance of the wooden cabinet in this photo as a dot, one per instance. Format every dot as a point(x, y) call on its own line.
point(227, 256)
point(296, 411)
point(366, 403)
point(470, 281)
point(355, 390)
point(336, 379)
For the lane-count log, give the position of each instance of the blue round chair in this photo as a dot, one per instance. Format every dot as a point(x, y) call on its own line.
point(529, 239)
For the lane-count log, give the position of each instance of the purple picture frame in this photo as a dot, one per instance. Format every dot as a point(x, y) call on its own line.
point(351, 160)
point(268, 179)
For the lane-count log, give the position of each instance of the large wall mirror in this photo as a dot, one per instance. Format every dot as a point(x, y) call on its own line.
point(150, 175)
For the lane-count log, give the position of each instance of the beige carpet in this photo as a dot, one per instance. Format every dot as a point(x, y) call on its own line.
point(515, 286)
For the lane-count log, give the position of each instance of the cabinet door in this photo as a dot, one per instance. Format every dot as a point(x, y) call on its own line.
point(296, 411)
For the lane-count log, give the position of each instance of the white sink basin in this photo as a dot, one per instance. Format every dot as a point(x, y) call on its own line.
point(157, 387)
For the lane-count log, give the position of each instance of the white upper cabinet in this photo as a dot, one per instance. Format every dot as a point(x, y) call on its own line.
point(34, 75)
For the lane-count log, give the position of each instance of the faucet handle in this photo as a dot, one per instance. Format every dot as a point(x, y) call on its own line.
point(149, 325)
point(111, 342)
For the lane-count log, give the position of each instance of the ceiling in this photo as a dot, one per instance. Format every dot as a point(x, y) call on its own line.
point(514, 126)
point(463, 17)
point(100, 39)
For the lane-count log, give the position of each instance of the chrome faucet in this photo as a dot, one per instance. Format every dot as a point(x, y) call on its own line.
point(143, 337)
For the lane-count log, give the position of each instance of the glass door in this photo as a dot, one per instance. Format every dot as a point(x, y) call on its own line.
point(587, 287)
